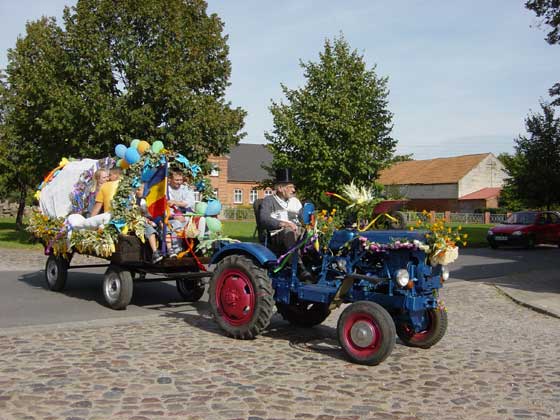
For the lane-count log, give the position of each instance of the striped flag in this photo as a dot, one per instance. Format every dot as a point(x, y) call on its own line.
point(155, 192)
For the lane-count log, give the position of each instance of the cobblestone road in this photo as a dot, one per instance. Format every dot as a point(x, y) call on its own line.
point(498, 360)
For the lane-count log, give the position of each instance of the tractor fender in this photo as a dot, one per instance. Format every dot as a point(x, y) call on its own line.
point(258, 252)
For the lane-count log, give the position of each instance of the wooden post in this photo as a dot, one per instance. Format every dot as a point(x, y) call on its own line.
point(447, 216)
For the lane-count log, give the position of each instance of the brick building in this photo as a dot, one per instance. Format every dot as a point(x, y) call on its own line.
point(236, 176)
point(459, 184)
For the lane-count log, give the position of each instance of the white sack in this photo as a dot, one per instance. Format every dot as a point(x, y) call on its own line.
point(55, 196)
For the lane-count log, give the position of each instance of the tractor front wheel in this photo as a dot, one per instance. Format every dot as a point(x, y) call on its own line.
point(366, 332)
point(436, 326)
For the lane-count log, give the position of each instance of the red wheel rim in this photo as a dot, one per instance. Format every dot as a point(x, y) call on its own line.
point(420, 335)
point(235, 297)
point(361, 334)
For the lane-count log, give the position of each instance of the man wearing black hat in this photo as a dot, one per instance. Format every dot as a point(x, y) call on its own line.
point(279, 215)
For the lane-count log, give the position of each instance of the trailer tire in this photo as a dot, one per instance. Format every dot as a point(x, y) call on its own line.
point(117, 287)
point(366, 332)
point(302, 313)
point(241, 297)
point(56, 273)
point(189, 289)
point(434, 332)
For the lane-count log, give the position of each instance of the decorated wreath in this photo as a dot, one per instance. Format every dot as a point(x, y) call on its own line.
point(67, 193)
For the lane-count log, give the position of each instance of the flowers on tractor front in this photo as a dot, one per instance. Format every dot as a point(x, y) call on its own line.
point(394, 245)
point(442, 239)
point(326, 223)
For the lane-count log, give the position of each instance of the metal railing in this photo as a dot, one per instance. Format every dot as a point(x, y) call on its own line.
point(246, 214)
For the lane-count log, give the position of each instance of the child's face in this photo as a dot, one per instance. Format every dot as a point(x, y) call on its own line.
point(139, 192)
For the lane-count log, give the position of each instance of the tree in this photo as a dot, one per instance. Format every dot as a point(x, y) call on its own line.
point(31, 103)
point(534, 169)
point(549, 13)
point(119, 70)
point(147, 71)
point(337, 127)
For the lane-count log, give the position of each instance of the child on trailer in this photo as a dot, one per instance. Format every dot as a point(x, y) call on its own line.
point(181, 200)
point(150, 227)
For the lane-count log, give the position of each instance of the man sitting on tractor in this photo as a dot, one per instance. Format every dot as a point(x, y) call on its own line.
point(279, 214)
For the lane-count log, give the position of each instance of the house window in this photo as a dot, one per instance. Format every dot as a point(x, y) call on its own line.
point(268, 192)
point(215, 170)
point(237, 196)
point(253, 196)
point(216, 192)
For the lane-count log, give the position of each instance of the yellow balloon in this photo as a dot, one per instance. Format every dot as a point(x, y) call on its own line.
point(123, 164)
point(143, 146)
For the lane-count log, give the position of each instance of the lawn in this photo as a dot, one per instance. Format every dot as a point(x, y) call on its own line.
point(10, 237)
point(242, 230)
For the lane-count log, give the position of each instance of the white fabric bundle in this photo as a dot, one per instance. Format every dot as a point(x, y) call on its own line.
point(55, 196)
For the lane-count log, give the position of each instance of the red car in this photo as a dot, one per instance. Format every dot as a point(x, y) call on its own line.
point(527, 228)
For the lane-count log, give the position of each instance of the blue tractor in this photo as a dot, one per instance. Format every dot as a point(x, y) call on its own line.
point(392, 290)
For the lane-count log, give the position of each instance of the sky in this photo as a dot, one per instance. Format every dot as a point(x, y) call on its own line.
point(463, 76)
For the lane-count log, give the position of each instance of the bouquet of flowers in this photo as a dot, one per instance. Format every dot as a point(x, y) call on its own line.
point(442, 239)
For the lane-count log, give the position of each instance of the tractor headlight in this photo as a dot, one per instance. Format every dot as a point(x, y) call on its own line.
point(402, 277)
point(490, 233)
point(517, 233)
point(444, 273)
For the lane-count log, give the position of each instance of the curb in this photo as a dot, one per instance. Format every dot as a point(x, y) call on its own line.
point(525, 304)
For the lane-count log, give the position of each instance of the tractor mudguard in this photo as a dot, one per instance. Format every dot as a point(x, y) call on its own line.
point(262, 254)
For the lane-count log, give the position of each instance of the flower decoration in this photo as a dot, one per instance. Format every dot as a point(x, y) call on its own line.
point(395, 245)
point(360, 203)
point(326, 222)
point(442, 239)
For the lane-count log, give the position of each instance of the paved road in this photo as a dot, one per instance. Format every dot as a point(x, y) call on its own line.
point(499, 360)
point(25, 301)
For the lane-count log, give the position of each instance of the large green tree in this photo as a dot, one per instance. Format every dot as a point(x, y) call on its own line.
point(32, 104)
point(335, 129)
point(118, 71)
point(147, 71)
point(534, 169)
point(548, 11)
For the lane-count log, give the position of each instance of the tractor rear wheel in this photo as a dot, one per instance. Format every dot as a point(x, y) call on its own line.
point(241, 297)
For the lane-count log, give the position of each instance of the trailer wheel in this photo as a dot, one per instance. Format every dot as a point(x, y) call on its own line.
point(303, 314)
point(189, 289)
point(117, 287)
point(366, 332)
point(241, 297)
point(56, 273)
point(436, 326)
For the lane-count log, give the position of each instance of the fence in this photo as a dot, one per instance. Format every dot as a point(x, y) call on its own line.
point(244, 213)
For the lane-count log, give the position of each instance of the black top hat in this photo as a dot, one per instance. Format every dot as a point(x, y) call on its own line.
point(284, 176)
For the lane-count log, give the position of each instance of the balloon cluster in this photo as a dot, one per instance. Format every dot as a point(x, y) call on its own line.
point(130, 155)
point(208, 211)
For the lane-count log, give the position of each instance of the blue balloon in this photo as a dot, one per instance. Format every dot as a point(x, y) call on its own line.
point(132, 156)
point(214, 207)
point(120, 150)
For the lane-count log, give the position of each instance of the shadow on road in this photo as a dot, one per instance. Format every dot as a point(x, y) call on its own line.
point(532, 270)
point(87, 285)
